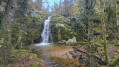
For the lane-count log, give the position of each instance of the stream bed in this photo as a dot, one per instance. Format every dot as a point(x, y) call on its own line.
point(57, 55)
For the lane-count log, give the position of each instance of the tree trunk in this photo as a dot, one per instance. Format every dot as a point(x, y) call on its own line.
point(9, 12)
point(104, 20)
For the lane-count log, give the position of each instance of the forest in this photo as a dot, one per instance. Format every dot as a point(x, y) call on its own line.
point(59, 33)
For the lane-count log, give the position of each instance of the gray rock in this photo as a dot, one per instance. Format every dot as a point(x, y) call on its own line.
point(71, 41)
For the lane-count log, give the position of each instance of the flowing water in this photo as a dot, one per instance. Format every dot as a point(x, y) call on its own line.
point(46, 33)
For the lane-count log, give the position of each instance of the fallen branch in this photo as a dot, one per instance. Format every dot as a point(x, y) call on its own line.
point(114, 62)
point(100, 61)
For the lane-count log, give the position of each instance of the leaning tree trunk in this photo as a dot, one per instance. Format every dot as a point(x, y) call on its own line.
point(104, 20)
point(9, 19)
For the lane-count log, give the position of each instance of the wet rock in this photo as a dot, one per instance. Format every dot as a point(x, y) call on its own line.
point(64, 41)
point(71, 41)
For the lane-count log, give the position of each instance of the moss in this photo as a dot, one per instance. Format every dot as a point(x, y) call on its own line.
point(19, 56)
point(35, 64)
point(34, 55)
point(118, 51)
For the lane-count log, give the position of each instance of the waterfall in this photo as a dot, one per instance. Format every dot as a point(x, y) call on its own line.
point(46, 33)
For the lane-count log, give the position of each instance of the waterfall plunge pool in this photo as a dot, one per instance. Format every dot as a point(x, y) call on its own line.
point(43, 44)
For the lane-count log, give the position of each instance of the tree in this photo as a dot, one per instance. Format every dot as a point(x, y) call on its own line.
point(76, 9)
point(21, 14)
point(7, 29)
point(39, 5)
point(36, 5)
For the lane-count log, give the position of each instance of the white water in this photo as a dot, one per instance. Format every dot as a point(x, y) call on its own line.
point(46, 33)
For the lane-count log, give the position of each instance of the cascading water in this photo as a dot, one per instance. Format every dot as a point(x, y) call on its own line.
point(46, 33)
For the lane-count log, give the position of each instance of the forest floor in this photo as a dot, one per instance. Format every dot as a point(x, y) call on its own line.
point(54, 56)
point(25, 58)
point(113, 51)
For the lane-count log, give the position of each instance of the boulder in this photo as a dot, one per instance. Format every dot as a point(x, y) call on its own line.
point(62, 42)
point(71, 41)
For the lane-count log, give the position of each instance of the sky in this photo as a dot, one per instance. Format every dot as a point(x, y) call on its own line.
point(51, 3)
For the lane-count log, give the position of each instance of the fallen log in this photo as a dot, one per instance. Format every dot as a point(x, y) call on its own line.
point(82, 43)
point(100, 61)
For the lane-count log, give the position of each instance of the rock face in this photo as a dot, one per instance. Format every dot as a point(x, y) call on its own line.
point(71, 41)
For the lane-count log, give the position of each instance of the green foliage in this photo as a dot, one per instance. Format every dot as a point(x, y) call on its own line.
point(66, 31)
point(31, 29)
point(1, 16)
point(17, 54)
point(118, 11)
point(59, 19)
point(93, 17)
point(21, 8)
